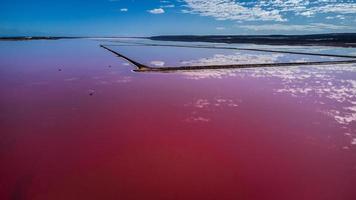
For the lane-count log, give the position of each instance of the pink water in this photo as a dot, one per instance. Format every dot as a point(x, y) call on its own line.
point(71, 127)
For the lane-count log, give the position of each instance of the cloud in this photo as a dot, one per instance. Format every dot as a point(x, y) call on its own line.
point(341, 8)
point(268, 10)
point(220, 28)
point(230, 10)
point(124, 9)
point(295, 27)
point(156, 11)
point(168, 6)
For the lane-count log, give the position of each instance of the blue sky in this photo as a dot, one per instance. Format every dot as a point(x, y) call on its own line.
point(159, 17)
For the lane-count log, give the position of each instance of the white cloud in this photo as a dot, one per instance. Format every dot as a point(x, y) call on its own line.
point(341, 8)
point(220, 28)
point(124, 9)
point(295, 27)
point(230, 10)
point(156, 11)
point(268, 10)
point(168, 6)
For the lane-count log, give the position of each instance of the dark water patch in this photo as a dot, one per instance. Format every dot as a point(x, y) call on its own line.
point(20, 189)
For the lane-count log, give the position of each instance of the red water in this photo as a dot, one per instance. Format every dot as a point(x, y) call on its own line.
point(74, 128)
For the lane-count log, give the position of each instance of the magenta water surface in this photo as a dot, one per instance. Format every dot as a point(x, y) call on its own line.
point(77, 123)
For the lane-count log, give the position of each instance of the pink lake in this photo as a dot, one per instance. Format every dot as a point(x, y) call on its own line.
point(77, 123)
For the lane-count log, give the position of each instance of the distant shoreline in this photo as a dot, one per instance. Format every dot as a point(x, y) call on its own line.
point(20, 38)
point(332, 39)
point(28, 38)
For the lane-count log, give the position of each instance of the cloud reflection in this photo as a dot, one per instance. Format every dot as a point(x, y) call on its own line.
point(237, 58)
point(333, 87)
point(206, 106)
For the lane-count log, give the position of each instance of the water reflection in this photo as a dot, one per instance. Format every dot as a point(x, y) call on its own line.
point(172, 56)
point(324, 83)
point(206, 74)
point(201, 108)
point(216, 102)
point(157, 63)
point(332, 88)
point(237, 58)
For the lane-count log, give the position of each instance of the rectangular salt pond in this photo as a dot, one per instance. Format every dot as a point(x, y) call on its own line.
point(309, 49)
point(176, 56)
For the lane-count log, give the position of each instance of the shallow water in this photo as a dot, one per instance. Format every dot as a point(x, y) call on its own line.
point(174, 54)
point(156, 56)
point(77, 123)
